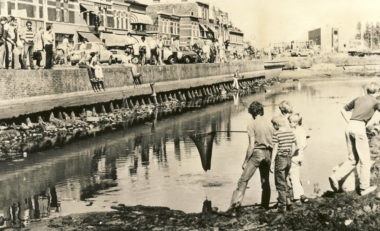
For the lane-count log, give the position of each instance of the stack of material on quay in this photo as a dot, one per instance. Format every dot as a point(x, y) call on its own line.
point(342, 211)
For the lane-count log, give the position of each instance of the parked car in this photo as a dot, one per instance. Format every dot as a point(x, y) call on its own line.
point(185, 55)
point(117, 55)
point(81, 50)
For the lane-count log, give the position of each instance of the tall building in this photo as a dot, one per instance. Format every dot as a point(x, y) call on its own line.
point(198, 21)
point(326, 38)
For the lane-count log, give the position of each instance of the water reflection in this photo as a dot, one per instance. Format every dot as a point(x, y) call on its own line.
point(157, 163)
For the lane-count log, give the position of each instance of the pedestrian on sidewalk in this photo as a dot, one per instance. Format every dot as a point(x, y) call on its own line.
point(27, 37)
point(359, 157)
point(258, 156)
point(12, 37)
point(3, 42)
point(48, 39)
point(38, 47)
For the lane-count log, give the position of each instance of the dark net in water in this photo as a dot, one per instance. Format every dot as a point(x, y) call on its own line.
point(204, 142)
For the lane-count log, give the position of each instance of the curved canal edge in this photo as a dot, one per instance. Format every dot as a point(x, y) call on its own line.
point(330, 212)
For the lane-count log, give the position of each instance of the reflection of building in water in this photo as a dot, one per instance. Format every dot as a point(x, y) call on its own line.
point(159, 149)
point(102, 175)
point(36, 207)
point(177, 148)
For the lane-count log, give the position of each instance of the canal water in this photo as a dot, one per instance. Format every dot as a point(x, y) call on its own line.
point(157, 164)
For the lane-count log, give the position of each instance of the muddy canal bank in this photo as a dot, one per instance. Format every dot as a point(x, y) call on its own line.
point(343, 211)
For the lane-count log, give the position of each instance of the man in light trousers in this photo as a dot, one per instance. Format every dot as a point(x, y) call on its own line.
point(363, 108)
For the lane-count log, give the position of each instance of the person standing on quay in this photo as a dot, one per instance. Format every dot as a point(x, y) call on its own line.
point(3, 43)
point(48, 39)
point(359, 156)
point(28, 38)
point(11, 31)
point(38, 46)
point(260, 132)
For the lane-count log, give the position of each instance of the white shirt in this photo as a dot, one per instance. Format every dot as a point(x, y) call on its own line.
point(48, 37)
point(99, 72)
point(300, 135)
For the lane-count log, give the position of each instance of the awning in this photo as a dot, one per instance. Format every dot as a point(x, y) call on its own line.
point(114, 40)
point(212, 29)
point(141, 19)
point(88, 7)
point(90, 37)
point(203, 27)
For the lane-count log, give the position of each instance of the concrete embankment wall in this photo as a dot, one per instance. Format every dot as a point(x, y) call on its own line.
point(16, 84)
point(31, 91)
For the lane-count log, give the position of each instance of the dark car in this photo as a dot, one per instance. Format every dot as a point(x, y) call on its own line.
point(184, 56)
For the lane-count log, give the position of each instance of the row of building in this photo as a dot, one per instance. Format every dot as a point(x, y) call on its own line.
point(110, 20)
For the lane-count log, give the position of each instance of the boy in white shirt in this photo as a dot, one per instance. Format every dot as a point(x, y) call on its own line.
point(295, 121)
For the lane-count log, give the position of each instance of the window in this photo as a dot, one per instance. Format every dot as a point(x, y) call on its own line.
point(171, 28)
point(110, 21)
point(41, 9)
point(71, 17)
point(52, 14)
point(11, 6)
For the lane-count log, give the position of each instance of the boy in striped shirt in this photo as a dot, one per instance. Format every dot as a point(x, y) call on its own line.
point(28, 38)
point(284, 143)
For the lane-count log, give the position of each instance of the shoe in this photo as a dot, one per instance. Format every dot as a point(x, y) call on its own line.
point(304, 199)
point(378, 195)
point(334, 184)
point(367, 190)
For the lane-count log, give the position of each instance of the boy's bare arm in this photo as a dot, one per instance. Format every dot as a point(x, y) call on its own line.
point(345, 115)
point(274, 153)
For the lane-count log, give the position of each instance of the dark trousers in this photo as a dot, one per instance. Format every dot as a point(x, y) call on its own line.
point(261, 159)
point(38, 57)
point(49, 56)
point(28, 54)
point(281, 172)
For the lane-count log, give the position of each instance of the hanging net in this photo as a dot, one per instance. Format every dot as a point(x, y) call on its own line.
point(204, 142)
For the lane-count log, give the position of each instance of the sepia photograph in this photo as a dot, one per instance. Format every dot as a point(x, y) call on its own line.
point(189, 115)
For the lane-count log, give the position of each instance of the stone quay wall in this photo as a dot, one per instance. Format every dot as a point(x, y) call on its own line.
point(25, 92)
point(18, 84)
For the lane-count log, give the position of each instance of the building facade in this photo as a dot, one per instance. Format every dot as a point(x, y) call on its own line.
point(326, 38)
point(64, 15)
point(81, 20)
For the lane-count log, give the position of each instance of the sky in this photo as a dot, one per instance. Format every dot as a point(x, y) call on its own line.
point(269, 21)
